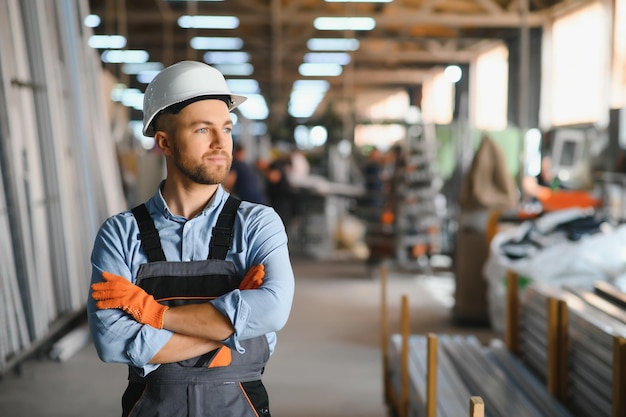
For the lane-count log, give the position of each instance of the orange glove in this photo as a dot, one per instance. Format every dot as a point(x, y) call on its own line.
point(118, 292)
point(254, 278)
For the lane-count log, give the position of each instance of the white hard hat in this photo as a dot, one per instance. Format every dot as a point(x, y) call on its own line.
point(180, 82)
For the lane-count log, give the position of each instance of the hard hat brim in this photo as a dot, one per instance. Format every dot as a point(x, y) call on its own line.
point(236, 100)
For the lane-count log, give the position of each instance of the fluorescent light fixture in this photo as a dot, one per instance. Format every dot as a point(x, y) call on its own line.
point(333, 44)
point(133, 69)
point(128, 56)
point(240, 70)
point(311, 85)
point(92, 21)
point(216, 43)
point(145, 77)
point(340, 58)
point(453, 73)
point(107, 41)
point(254, 108)
point(305, 96)
point(244, 86)
point(320, 70)
point(344, 23)
point(308, 138)
point(208, 22)
point(129, 97)
point(226, 57)
point(303, 105)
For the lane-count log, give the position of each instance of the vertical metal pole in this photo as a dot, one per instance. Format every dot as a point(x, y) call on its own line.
point(431, 376)
point(523, 85)
point(276, 76)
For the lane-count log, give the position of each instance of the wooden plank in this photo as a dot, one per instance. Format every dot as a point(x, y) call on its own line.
point(557, 348)
point(384, 333)
point(477, 407)
point(511, 330)
point(552, 362)
point(563, 336)
point(404, 396)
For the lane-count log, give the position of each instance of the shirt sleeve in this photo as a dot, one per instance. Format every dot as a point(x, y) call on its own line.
point(117, 337)
point(264, 310)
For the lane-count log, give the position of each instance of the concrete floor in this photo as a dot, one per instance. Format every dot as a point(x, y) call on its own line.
point(328, 361)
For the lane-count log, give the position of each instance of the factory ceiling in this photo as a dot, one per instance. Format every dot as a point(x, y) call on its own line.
point(410, 37)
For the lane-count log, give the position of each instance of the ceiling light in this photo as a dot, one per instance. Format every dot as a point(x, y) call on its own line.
point(320, 70)
point(212, 58)
point(333, 44)
point(344, 23)
point(132, 69)
point(208, 22)
point(453, 73)
point(117, 56)
point(129, 97)
point(107, 41)
point(241, 70)
point(254, 108)
point(145, 77)
point(340, 58)
point(303, 104)
point(92, 21)
point(244, 86)
point(311, 85)
point(305, 96)
point(216, 43)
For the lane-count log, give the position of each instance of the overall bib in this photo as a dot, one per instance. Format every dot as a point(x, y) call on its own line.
point(220, 383)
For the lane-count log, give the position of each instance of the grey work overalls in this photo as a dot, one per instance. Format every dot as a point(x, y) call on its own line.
point(208, 385)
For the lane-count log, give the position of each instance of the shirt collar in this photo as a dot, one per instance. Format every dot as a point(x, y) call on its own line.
point(159, 202)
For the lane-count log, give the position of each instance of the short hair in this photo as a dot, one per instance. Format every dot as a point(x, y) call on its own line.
point(176, 108)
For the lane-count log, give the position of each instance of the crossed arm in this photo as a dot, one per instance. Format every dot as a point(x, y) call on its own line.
point(197, 328)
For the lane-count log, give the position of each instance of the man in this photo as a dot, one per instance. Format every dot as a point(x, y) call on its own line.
point(244, 180)
point(218, 267)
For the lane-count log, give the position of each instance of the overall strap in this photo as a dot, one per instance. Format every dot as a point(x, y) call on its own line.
point(222, 239)
point(148, 234)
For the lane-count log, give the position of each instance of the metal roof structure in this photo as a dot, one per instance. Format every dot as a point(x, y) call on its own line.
point(410, 36)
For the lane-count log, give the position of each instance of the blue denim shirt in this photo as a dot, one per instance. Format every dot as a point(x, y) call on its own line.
point(259, 238)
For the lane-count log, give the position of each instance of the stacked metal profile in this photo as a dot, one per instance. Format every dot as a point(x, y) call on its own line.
point(534, 331)
point(467, 368)
point(594, 322)
point(58, 172)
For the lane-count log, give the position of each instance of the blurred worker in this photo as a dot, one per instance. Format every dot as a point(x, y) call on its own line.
point(280, 192)
point(189, 288)
point(541, 186)
point(244, 180)
point(374, 200)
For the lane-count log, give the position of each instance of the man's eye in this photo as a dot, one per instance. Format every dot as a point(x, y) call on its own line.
point(228, 130)
point(202, 130)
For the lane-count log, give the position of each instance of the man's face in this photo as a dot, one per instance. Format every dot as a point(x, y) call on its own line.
point(203, 144)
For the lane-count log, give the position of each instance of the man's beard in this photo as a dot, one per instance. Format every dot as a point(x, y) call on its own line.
point(198, 172)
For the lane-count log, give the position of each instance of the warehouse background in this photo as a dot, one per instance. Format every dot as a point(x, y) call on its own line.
point(532, 77)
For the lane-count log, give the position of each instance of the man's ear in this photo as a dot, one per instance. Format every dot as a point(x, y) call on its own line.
point(162, 140)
